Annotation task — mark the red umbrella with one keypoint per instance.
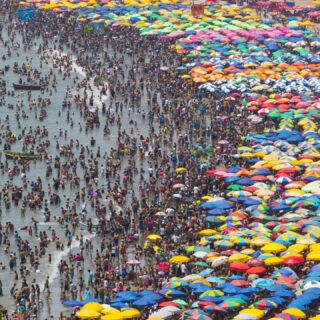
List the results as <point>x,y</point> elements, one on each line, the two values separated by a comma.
<point>163,266</point>
<point>203,304</point>
<point>251,189</point>
<point>286,280</point>
<point>259,178</point>
<point>256,270</point>
<point>293,261</point>
<point>256,263</point>
<point>168,304</point>
<point>238,266</point>
<point>240,283</point>
<point>228,252</point>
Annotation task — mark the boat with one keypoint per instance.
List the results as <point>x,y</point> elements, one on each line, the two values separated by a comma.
<point>20,155</point>
<point>27,86</point>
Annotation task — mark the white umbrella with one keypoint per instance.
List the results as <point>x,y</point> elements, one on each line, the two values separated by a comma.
<point>245,316</point>
<point>160,214</point>
<point>165,312</point>
<point>219,261</point>
<point>191,277</point>
<point>133,261</point>
<point>200,254</point>
<point>311,284</point>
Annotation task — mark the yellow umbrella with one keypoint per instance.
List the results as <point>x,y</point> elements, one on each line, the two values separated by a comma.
<point>181,169</point>
<point>253,312</point>
<point>298,247</point>
<point>317,317</point>
<point>130,313</point>
<point>315,247</point>
<point>112,316</point>
<point>95,306</point>
<point>273,261</point>
<point>295,312</point>
<point>273,247</point>
<point>239,257</point>
<point>207,232</point>
<point>153,237</point>
<point>179,259</point>
<point>206,197</point>
<point>258,241</point>
<point>247,251</point>
<point>305,240</point>
<point>110,311</point>
<point>313,256</point>
<point>88,314</point>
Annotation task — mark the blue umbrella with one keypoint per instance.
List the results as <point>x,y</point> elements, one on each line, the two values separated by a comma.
<point>278,300</point>
<point>298,305</point>
<point>230,289</point>
<point>214,279</point>
<point>205,272</point>
<point>316,268</point>
<point>150,294</point>
<point>72,303</point>
<point>118,305</point>
<point>262,283</point>
<point>231,179</point>
<point>217,212</point>
<point>277,287</point>
<point>199,287</point>
<point>245,182</point>
<point>283,293</point>
<point>173,293</point>
<point>250,290</point>
<point>144,302</point>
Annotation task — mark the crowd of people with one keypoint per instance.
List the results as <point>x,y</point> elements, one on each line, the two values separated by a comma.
<point>165,140</point>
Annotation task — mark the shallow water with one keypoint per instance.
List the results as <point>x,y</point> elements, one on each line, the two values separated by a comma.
<point>53,123</point>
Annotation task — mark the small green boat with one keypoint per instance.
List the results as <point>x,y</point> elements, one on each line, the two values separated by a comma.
<point>20,155</point>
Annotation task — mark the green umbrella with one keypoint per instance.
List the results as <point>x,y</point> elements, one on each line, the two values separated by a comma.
<point>235,187</point>
<point>274,114</point>
<point>180,302</point>
<point>213,220</point>
<point>201,264</point>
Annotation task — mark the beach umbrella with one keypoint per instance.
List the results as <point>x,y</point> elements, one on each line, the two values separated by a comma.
<point>130,313</point>
<point>144,302</point>
<point>285,316</point>
<point>292,261</point>
<point>265,304</point>
<point>154,237</point>
<point>253,312</point>
<point>112,317</point>
<point>313,256</point>
<point>179,259</point>
<point>95,306</point>
<point>72,303</point>
<point>231,303</point>
<point>88,314</point>
<point>273,261</point>
<point>211,294</point>
<point>165,312</point>
<point>174,293</point>
<point>109,311</point>
<point>238,266</point>
<point>245,317</point>
<point>256,270</point>
<point>207,232</point>
<point>273,247</point>
<point>295,312</point>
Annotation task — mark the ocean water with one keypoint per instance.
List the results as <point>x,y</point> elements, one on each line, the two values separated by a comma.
<point>38,169</point>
